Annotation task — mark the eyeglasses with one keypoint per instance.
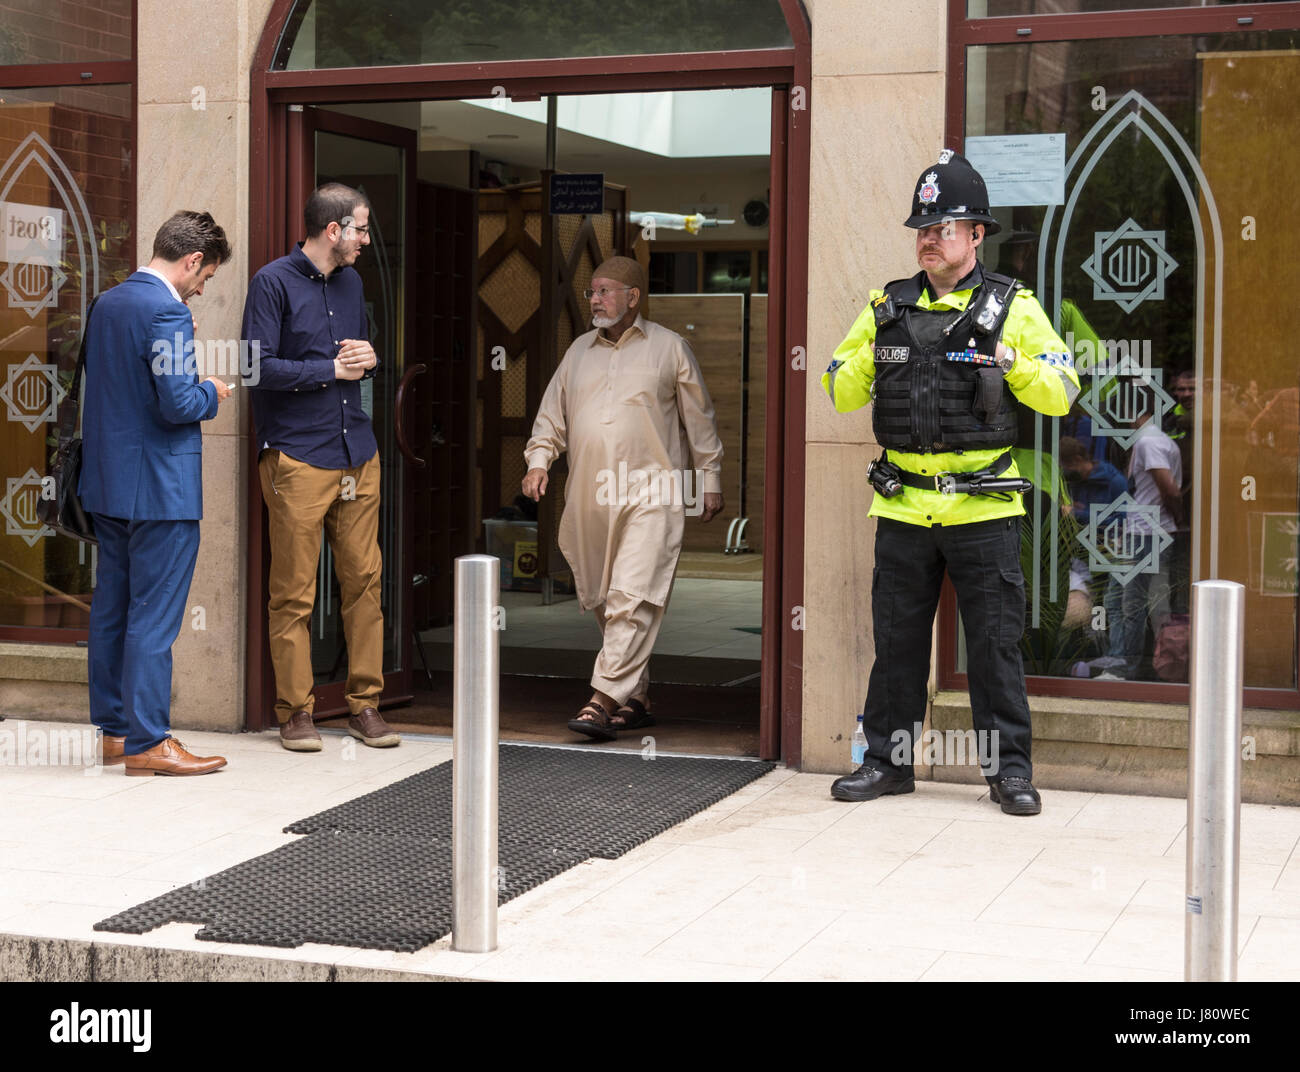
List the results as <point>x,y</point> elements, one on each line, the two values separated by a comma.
<point>602,293</point>
<point>361,230</point>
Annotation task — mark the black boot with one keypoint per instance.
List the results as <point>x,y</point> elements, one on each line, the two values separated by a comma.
<point>1016,795</point>
<point>868,782</point>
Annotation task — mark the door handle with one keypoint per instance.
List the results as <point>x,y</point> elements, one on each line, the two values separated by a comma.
<point>399,407</point>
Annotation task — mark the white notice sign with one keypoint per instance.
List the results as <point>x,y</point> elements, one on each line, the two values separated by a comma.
<point>1021,169</point>
<point>30,233</point>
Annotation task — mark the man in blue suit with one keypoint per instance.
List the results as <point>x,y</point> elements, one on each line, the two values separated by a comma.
<point>142,482</point>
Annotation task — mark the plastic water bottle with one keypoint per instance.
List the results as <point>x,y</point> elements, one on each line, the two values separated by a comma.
<point>859,744</point>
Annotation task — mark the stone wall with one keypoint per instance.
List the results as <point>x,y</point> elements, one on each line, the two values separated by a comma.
<point>877,120</point>
<point>193,136</point>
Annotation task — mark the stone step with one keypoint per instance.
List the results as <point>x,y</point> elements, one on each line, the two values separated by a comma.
<point>1119,747</point>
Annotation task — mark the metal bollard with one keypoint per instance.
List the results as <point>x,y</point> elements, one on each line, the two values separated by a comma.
<point>1214,782</point>
<point>474,755</point>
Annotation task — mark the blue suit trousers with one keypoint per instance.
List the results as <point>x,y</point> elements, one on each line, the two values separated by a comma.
<point>143,582</point>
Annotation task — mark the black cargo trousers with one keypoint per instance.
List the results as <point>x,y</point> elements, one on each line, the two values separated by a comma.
<point>983,560</point>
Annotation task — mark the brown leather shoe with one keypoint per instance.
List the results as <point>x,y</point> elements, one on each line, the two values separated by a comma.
<point>169,756</point>
<point>299,733</point>
<point>370,729</point>
<point>113,750</point>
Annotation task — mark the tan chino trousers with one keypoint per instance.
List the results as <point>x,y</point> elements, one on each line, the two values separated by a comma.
<point>301,500</point>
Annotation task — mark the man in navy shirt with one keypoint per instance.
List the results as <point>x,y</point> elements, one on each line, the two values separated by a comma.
<point>318,460</point>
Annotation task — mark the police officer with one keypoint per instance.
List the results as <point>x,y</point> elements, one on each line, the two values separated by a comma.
<point>946,358</point>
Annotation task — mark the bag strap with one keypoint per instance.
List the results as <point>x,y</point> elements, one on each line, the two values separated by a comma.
<point>70,412</point>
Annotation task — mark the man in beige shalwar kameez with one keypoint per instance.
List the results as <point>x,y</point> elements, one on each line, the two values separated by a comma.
<point>629,405</point>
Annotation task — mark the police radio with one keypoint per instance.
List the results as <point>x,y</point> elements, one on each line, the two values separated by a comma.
<point>885,476</point>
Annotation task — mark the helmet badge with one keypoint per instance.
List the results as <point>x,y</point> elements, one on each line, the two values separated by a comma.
<point>929,192</point>
<point>945,155</point>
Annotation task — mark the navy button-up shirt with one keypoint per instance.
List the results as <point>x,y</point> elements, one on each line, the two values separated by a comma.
<point>298,317</point>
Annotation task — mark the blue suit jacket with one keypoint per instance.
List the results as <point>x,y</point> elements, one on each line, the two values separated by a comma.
<point>142,454</point>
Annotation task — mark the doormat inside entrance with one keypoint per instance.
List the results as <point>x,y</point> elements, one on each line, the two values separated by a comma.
<point>375,872</point>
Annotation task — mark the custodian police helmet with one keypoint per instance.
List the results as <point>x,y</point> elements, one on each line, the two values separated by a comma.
<point>951,189</point>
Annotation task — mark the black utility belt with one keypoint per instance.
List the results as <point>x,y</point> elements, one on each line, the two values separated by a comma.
<point>889,480</point>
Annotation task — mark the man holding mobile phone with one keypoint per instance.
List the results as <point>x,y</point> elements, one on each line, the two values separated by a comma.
<point>142,482</point>
<point>319,461</point>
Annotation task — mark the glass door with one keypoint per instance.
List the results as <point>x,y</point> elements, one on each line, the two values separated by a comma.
<point>378,160</point>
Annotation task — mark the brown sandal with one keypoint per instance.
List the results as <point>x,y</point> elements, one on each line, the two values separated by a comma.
<point>632,716</point>
<point>600,726</point>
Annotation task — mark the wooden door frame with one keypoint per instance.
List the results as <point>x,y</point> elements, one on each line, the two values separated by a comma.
<point>300,180</point>
<point>788,72</point>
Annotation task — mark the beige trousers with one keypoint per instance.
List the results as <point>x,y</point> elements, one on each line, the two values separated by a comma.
<point>629,627</point>
<point>301,500</point>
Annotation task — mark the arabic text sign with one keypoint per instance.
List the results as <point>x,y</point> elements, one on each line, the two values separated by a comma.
<point>578,195</point>
<point>1020,169</point>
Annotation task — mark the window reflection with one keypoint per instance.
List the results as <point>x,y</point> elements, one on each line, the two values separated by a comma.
<point>341,33</point>
<point>32,31</point>
<point>66,196</point>
<point>978,9</point>
<point>1179,459</point>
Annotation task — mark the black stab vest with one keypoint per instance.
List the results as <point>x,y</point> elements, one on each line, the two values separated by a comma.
<point>925,403</point>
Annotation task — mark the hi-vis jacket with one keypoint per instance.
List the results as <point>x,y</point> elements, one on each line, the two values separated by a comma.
<point>1042,378</point>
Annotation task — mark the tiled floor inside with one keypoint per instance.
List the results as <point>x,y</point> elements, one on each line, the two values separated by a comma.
<point>775,882</point>
<point>705,618</point>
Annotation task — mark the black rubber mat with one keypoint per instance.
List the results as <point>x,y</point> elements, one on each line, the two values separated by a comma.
<point>590,803</point>
<point>375,872</point>
<point>377,892</point>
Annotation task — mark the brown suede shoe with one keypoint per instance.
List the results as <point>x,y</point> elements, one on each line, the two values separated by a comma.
<point>113,750</point>
<point>170,757</point>
<point>299,733</point>
<point>370,729</point>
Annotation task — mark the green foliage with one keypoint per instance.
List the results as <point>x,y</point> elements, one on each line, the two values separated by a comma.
<point>1051,648</point>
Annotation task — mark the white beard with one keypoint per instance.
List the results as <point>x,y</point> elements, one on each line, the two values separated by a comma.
<point>604,321</point>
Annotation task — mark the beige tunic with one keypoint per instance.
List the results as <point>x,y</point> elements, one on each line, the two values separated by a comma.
<point>632,416</point>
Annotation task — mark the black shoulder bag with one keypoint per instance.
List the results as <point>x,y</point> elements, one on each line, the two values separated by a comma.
<point>63,512</point>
